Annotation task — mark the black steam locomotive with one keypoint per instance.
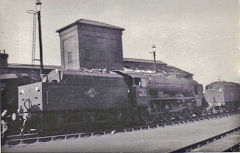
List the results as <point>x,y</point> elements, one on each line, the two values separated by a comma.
<point>84,100</point>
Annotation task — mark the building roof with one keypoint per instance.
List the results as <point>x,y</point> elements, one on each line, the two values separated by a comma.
<point>8,76</point>
<point>29,66</point>
<point>90,22</point>
<point>142,61</point>
<point>168,67</point>
<point>223,83</point>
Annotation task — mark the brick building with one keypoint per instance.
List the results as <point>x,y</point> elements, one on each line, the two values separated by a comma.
<point>91,44</point>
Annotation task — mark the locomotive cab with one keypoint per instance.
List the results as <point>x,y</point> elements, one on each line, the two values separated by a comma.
<point>140,86</point>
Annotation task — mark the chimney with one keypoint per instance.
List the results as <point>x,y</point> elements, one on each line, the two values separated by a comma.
<point>3,59</point>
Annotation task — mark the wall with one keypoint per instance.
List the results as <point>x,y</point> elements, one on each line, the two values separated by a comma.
<point>69,48</point>
<point>100,47</point>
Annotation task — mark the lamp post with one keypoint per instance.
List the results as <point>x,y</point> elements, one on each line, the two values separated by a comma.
<point>38,10</point>
<point>154,58</point>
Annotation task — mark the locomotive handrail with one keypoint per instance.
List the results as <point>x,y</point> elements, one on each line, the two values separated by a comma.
<point>170,98</point>
<point>123,74</point>
<point>25,104</point>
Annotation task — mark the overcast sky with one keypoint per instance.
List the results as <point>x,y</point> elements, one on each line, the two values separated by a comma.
<point>198,36</point>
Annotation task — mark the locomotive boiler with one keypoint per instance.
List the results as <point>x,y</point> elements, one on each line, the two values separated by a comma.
<point>83,100</point>
<point>166,96</point>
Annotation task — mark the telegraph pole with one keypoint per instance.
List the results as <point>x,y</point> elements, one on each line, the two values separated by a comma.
<point>38,9</point>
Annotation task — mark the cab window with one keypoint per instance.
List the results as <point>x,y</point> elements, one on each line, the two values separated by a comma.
<point>137,81</point>
<point>196,90</point>
<point>144,82</point>
<point>140,82</point>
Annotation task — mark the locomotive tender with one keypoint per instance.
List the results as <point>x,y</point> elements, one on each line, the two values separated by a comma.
<point>72,98</point>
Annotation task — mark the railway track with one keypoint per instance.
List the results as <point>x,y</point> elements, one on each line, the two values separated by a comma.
<point>33,138</point>
<point>211,140</point>
<point>235,148</point>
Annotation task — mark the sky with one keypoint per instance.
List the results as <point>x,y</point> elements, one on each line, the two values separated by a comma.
<point>198,36</point>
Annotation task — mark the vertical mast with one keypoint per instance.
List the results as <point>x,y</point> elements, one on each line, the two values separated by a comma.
<point>154,58</point>
<point>38,8</point>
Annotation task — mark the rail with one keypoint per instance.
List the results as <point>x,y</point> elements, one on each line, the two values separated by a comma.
<point>205,142</point>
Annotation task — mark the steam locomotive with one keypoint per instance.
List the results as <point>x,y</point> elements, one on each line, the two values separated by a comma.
<point>76,99</point>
